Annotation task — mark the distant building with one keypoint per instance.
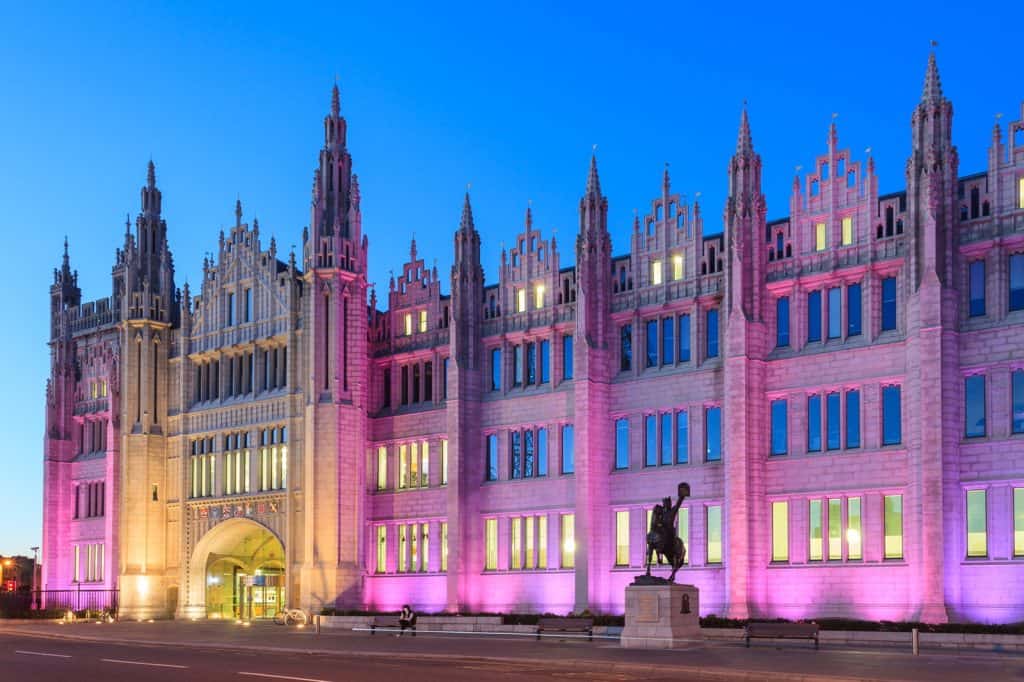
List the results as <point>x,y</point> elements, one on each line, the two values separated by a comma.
<point>842,388</point>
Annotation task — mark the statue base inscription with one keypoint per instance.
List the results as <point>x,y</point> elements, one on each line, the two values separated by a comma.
<point>661,616</point>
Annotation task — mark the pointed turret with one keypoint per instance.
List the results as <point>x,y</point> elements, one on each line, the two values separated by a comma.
<point>64,292</point>
<point>466,223</point>
<point>744,143</point>
<point>151,175</point>
<point>932,83</point>
<point>238,212</point>
<point>744,220</point>
<point>335,100</point>
<point>593,181</point>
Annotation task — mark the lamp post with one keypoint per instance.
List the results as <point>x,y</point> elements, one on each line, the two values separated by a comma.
<point>35,568</point>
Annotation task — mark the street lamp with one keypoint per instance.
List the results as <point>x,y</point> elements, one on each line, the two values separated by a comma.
<point>35,567</point>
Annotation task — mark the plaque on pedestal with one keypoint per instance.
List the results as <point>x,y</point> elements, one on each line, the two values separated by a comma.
<point>661,616</point>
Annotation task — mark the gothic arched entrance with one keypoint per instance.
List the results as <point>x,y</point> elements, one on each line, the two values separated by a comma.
<point>239,569</point>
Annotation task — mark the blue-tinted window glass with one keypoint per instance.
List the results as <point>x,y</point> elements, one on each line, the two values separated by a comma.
<point>666,436</point>
<point>626,348</point>
<point>853,310</point>
<point>545,361</point>
<point>515,446</point>
<point>621,443</point>
<point>529,453</point>
<point>1018,402</point>
<point>667,340</point>
<point>531,363</point>
<point>568,454</point>
<point>542,452</point>
<point>814,423</point>
<point>492,457</point>
<point>974,406</point>
<point>853,419</point>
<point>684,338</point>
<point>814,316</point>
<point>835,313</point>
<point>977,287</point>
<point>517,365</point>
<point>713,333</point>
<point>888,303</point>
<point>892,430</point>
<point>779,439</point>
<point>682,438</point>
<point>652,343</point>
<point>650,440</point>
<point>782,322</point>
<point>496,369</point>
<point>832,421</point>
<point>1017,281</point>
<point>713,434</point>
<point>567,356</point>
<point>444,383</point>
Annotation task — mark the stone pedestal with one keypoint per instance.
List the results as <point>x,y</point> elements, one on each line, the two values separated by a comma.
<point>665,616</point>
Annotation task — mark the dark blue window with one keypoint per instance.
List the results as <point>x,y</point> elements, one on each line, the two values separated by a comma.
<point>1017,281</point>
<point>853,310</point>
<point>542,452</point>
<point>667,340</point>
<point>713,434</point>
<point>814,316</point>
<point>888,303</point>
<point>853,419</point>
<point>516,448</point>
<point>782,322</point>
<point>666,436</point>
<point>1018,402</point>
<point>650,440</point>
<point>545,361</point>
<point>977,287</point>
<point>779,427</point>
<point>496,369</point>
<point>444,381</point>
<point>684,338</point>
<point>626,348</point>
<point>492,457</point>
<point>652,343</point>
<point>974,406</point>
<point>529,453</point>
<point>835,313</point>
<point>567,356</point>
<point>682,438</point>
<point>713,333</point>
<point>832,421</point>
<point>568,456</point>
<point>517,365</point>
<point>892,430</point>
<point>814,423</point>
<point>531,363</point>
<point>621,443</point>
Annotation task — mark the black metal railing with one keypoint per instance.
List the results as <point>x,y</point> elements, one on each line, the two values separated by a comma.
<point>76,600</point>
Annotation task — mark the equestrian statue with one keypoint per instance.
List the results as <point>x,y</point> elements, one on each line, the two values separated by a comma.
<point>662,538</point>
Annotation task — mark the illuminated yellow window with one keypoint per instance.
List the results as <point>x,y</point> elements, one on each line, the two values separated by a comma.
<point>382,549</point>
<point>516,555</point>
<point>408,324</point>
<point>656,272</point>
<point>819,237</point>
<point>425,547</point>
<point>521,300</point>
<point>683,526</point>
<point>1020,192</point>
<point>414,465</point>
<point>542,541</point>
<point>568,540</point>
<point>677,267</point>
<point>853,528</point>
<point>403,548</point>
<point>491,543</point>
<point>403,466</point>
<point>835,529</point>
<point>714,534</point>
<point>444,461</point>
<point>531,549</point>
<point>977,530</point>
<point>780,531</point>
<point>847,230</point>
<point>538,296</point>
<point>1018,522</point>
<point>414,552</point>
<point>622,538</point>
<point>444,546</point>
<point>382,468</point>
<point>425,465</point>
<point>423,321</point>
<point>94,390</point>
<point>893,526</point>
<point>815,531</point>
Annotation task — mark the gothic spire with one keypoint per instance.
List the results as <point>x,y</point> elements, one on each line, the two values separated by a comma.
<point>932,84</point>
<point>744,144</point>
<point>466,224</point>
<point>238,212</point>
<point>335,100</point>
<point>151,175</point>
<point>593,181</point>
<point>529,218</point>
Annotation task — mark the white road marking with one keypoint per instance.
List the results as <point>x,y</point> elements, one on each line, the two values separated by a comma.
<point>283,677</point>
<point>155,665</point>
<point>40,653</point>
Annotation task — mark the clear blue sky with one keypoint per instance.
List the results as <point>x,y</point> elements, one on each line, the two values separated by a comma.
<point>510,97</point>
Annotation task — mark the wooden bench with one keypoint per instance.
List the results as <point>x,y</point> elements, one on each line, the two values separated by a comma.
<point>566,625</point>
<point>390,622</point>
<point>782,631</point>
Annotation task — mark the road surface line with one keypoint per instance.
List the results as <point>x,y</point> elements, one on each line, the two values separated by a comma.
<point>40,653</point>
<point>283,677</point>
<point>155,665</point>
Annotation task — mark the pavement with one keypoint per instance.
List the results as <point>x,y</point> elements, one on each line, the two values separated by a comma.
<point>204,650</point>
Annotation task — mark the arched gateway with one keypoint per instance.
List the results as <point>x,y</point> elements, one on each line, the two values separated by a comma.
<point>237,570</point>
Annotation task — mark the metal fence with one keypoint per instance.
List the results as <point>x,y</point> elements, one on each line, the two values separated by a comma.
<point>76,600</point>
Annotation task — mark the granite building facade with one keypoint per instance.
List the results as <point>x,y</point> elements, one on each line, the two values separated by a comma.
<point>842,388</point>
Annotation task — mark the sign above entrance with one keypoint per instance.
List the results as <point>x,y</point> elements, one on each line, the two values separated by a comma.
<point>236,510</point>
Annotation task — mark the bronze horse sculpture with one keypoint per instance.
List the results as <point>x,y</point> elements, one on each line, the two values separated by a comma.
<point>662,538</point>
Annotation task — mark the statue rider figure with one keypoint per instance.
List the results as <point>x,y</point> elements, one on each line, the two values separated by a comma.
<point>662,537</point>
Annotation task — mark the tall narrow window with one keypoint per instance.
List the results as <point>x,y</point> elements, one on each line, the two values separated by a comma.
<point>835,529</point>
<point>677,267</point>
<point>1020,192</point>
<point>779,439</point>
<point>247,311</point>
<point>382,468</point>
<point>847,230</point>
<point>408,324</point>
<point>515,452</point>
<point>545,361</point>
<point>531,364</point>
<point>622,443</point>
<point>892,431</point>
<point>780,531</point>
<point>853,310</point>
<point>814,423</point>
<point>542,452</point>
<point>622,538</point>
<point>684,338</point>
<point>516,550</point>
<point>683,529</point>
<point>832,420</point>
<point>813,316</point>
<point>1017,381</point>
<point>423,321</point>
<point>712,329</point>
<point>656,274</point>
<point>444,379</point>
<point>1017,281</point>
<point>652,343</point>
<point>713,434</point>
<point>893,526</point>
<point>538,296</point>
<point>626,347</point>
<point>491,544</point>
<point>853,529</point>
<point>782,322</point>
<point>568,541</point>
<point>888,303</point>
<point>529,454</point>
<point>977,530</point>
<point>835,313</point>
<point>974,406</point>
<point>714,534</point>
<point>382,549</point>
<point>231,309</point>
<point>668,344</point>
<point>568,456</point>
<point>977,288</point>
<point>444,461</point>
<point>682,438</point>
<point>814,526</point>
<point>650,440</point>
<point>492,457</point>
<point>567,357</point>
<point>819,237</point>
<point>853,419</point>
<point>403,548</point>
<point>666,438</point>
<point>517,365</point>
<point>1018,522</point>
<point>521,300</point>
<point>542,541</point>
<point>495,369</point>
<point>444,546</point>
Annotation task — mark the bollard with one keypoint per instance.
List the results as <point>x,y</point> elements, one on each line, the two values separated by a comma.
<point>317,616</point>
<point>916,639</point>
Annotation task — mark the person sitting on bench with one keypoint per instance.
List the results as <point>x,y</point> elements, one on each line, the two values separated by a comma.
<point>407,619</point>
